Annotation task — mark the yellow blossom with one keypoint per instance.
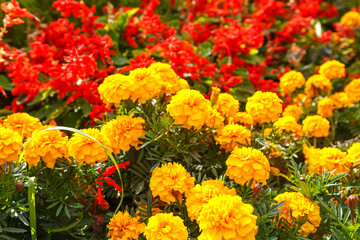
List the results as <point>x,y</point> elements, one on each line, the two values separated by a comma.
<point>229,136</point>
<point>274,171</point>
<point>354,154</point>
<point>22,123</point>
<point>351,19</point>
<point>145,85</point>
<point>215,120</point>
<point>316,126</point>
<point>353,90</point>
<point>288,124</point>
<point>317,85</point>
<point>303,99</point>
<point>325,108</point>
<point>166,226</point>
<point>10,145</point>
<point>115,88</point>
<point>167,77</point>
<point>340,100</point>
<point>333,69</point>
<point>124,227</point>
<point>293,110</point>
<point>227,105</point>
<point>290,81</point>
<point>242,118</point>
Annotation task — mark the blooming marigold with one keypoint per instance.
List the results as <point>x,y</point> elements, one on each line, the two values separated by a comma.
<point>167,77</point>
<point>293,110</point>
<point>190,108</point>
<point>354,154</point>
<point>242,118</point>
<point>353,90</point>
<point>145,85</point>
<point>329,159</point>
<point>341,100</point>
<point>297,207</point>
<point>166,226</point>
<point>246,164</point>
<point>46,145</point>
<point>229,136</point>
<point>264,107</point>
<point>170,181</point>
<point>201,194</point>
<point>288,124</point>
<point>325,108</point>
<point>227,217</point>
<point>292,80</point>
<point>316,126</point>
<point>215,120</point>
<point>317,84</point>
<point>124,227</point>
<point>115,88</point>
<point>10,145</point>
<point>333,69</point>
<point>124,132</point>
<point>303,99</point>
<point>85,149</point>
<point>351,19</point>
<point>227,105</point>
<point>22,123</point>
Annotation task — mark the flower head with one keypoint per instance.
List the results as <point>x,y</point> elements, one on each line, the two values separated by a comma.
<point>22,123</point>
<point>351,19</point>
<point>292,80</point>
<point>227,105</point>
<point>316,126</point>
<point>325,108</point>
<point>215,120</point>
<point>167,77</point>
<point>354,154</point>
<point>10,145</point>
<point>165,226</point>
<point>246,164</point>
<point>115,88</point>
<point>293,110</point>
<point>124,227</point>
<point>353,90</point>
<point>341,100</point>
<point>145,86</point>
<point>229,136</point>
<point>242,118</point>
<point>288,124</point>
<point>317,84</point>
<point>333,69</point>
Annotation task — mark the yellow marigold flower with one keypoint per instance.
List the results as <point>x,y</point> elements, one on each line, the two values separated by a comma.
<point>229,136</point>
<point>183,84</point>
<point>22,123</point>
<point>351,19</point>
<point>288,124</point>
<point>84,149</point>
<point>115,88</point>
<point>215,120</point>
<point>341,100</point>
<point>316,126</point>
<point>328,159</point>
<point>308,152</point>
<point>227,105</point>
<point>145,85</point>
<point>317,84</point>
<point>190,108</point>
<point>267,132</point>
<point>124,227</point>
<point>264,107</point>
<point>167,77</point>
<point>48,146</point>
<point>353,90</point>
<point>325,108</point>
<point>292,80</point>
<point>242,118</point>
<point>354,154</point>
<point>201,194</point>
<point>303,99</point>
<point>226,217</point>
<point>333,69</point>
<point>274,171</point>
<point>293,110</point>
<point>124,132</point>
<point>170,181</point>
<point>166,226</point>
<point>10,145</point>
<point>297,208</point>
<point>246,164</point>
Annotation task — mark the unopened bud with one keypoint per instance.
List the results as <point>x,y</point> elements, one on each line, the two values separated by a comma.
<point>352,202</point>
<point>19,186</point>
<point>214,95</point>
<point>256,189</point>
<point>302,179</point>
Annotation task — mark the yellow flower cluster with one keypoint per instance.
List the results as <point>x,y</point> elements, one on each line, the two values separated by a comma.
<point>201,194</point>
<point>226,217</point>
<point>325,108</point>
<point>145,85</point>
<point>124,227</point>
<point>290,81</point>
<point>215,120</point>
<point>317,84</point>
<point>353,90</point>
<point>297,208</point>
<point>84,149</point>
<point>264,107</point>
<point>293,110</point>
<point>48,146</point>
<point>166,226</point>
<point>22,123</point>
<point>114,89</point>
<point>10,145</point>
<point>227,105</point>
<point>167,78</point>
<point>124,132</point>
<point>170,182</point>
<point>316,126</point>
<point>288,124</point>
<point>351,19</point>
<point>333,69</point>
<point>246,164</point>
<point>242,118</point>
<point>229,136</point>
<point>340,100</point>
<point>354,154</point>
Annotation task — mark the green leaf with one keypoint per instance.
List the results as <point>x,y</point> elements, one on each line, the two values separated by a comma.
<point>120,61</point>
<point>59,209</point>
<point>5,83</point>
<point>67,211</point>
<point>14,230</point>
<point>121,22</point>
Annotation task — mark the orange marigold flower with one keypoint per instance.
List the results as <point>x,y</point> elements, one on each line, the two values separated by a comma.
<point>298,208</point>
<point>316,126</point>
<point>288,124</point>
<point>246,164</point>
<point>267,132</point>
<point>317,84</point>
<point>227,217</point>
<point>227,105</point>
<point>85,149</point>
<point>351,19</point>
<point>124,132</point>
<point>167,77</point>
<point>215,120</point>
<point>354,154</point>
<point>48,145</point>
<point>124,227</point>
<point>190,108</point>
<point>264,107</point>
<point>10,145</point>
<point>22,123</point>
<point>115,88</point>
<point>333,69</point>
<point>341,100</point>
<point>353,90</point>
<point>275,171</point>
<point>201,194</point>
<point>308,152</point>
<point>325,108</point>
<point>242,118</point>
<point>290,81</point>
<point>166,226</point>
<point>170,181</point>
<point>303,99</point>
<point>145,85</point>
<point>183,84</point>
<point>293,110</point>
<point>229,136</point>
